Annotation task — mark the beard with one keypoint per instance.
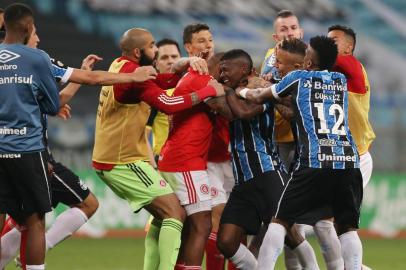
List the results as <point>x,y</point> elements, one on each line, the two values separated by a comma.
<point>145,60</point>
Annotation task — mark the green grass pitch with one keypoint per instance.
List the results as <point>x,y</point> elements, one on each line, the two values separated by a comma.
<point>127,254</point>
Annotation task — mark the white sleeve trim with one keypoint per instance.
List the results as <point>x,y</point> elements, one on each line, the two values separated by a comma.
<point>273,89</point>
<point>67,75</point>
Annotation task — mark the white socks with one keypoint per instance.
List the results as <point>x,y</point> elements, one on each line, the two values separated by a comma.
<point>10,243</point>
<point>243,259</point>
<point>35,267</point>
<point>271,246</point>
<point>291,259</point>
<point>64,226</point>
<point>306,256</point>
<point>329,243</point>
<point>351,248</point>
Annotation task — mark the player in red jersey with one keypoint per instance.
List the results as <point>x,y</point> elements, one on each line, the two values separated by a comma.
<point>183,163</point>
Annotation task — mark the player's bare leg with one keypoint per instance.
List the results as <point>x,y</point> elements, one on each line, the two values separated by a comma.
<point>35,253</point>
<point>199,227</point>
<point>229,243</point>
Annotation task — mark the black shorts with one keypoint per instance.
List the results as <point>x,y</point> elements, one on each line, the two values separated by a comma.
<point>315,194</point>
<point>254,202</point>
<point>24,185</point>
<point>66,187</point>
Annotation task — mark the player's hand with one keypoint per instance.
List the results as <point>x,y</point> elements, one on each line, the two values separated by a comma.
<point>89,61</point>
<point>64,112</point>
<point>198,64</point>
<point>144,73</point>
<point>267,77</point>
<point>257,82</point>
<point>218,86</point>
<point>50,168</point>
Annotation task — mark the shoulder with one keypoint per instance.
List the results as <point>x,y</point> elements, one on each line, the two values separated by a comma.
<point>269,52</point>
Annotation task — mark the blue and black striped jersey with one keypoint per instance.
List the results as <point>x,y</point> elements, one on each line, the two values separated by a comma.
<point>320,104</point>
<point>252,148</point>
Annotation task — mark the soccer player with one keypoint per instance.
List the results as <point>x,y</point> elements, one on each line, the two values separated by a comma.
<point>183,163</point>
<point>259,182</point>
<point>2,32</point>
<point>120,145</point>
<point>286,26</point>
<point>28,89</point>
<point>327,176</point>
<point>158,122</point>
<point>358,95</point>
<point>66,187</point>
<point>198,40</point>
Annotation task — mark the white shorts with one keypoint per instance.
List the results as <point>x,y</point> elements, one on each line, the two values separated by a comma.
<point>366,166</point>
<point>192,189</point>
<point>222,181</point>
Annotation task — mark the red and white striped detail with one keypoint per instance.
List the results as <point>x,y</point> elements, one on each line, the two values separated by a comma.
<point>190,187</point>
<point>190,267</point>
<point>213,236</point>
<point>170,100</point>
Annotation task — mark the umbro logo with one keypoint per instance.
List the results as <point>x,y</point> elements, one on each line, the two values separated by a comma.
<point>7,56</point>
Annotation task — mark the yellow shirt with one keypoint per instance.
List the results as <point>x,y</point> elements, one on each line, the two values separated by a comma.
<point>120,128</point>
<point>160,128</point>
<point>358,120</point>
<point>283,130</point>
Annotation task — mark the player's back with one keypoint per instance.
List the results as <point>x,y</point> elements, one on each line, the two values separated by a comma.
<point>27,89</point>
<point>186,148</point>
<point>321,115</point>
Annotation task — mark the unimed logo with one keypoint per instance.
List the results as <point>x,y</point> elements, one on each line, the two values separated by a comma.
<point>7,56</point>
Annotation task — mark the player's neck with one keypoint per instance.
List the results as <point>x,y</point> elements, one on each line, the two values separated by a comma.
<point>14,39</point>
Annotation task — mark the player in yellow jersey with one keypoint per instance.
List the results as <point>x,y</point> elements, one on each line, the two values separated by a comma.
<point>286,25</point>
<point>168,53</point>
<point>358,97</point>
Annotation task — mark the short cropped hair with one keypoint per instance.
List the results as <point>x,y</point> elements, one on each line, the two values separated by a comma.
<point>168,41</point>
<point>295,46</point>
<point>348,31</point>
<point>326,50</point>
<point>190,29</point>
<point>15,13</point>
<point>285,13</point>
<point>238,53</point>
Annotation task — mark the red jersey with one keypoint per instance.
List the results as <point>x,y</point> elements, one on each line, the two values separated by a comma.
<point>218,151</point>
<point>352,69</point>
<point>150,92</point>
<point>187,146</point>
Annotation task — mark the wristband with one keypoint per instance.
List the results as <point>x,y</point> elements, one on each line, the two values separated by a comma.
<point>208,91</point>
<point>243,93</point>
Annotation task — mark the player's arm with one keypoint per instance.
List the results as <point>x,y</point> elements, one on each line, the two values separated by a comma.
<point>156,97</point>
<point>99,77</point>
<point>220,105</point>
<point>196,63</point>
<point>274,92</point>
<point>48,97</point>
<point>241,108</point>
<point>285,110</point>
<point>71,89</point>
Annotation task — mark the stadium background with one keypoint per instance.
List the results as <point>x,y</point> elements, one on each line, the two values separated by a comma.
<point>71,29</point>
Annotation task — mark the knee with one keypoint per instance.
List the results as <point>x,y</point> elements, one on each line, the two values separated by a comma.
<point>89,206</point>
<point>227,244</point>
<point>341,229</point>
<point>201,224</point>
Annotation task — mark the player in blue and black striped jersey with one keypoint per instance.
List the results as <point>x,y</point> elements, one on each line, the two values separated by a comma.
<point>256,166</point>
<point>327,182</point>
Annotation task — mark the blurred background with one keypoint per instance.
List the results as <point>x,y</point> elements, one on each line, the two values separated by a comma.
<point>71,29</point>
